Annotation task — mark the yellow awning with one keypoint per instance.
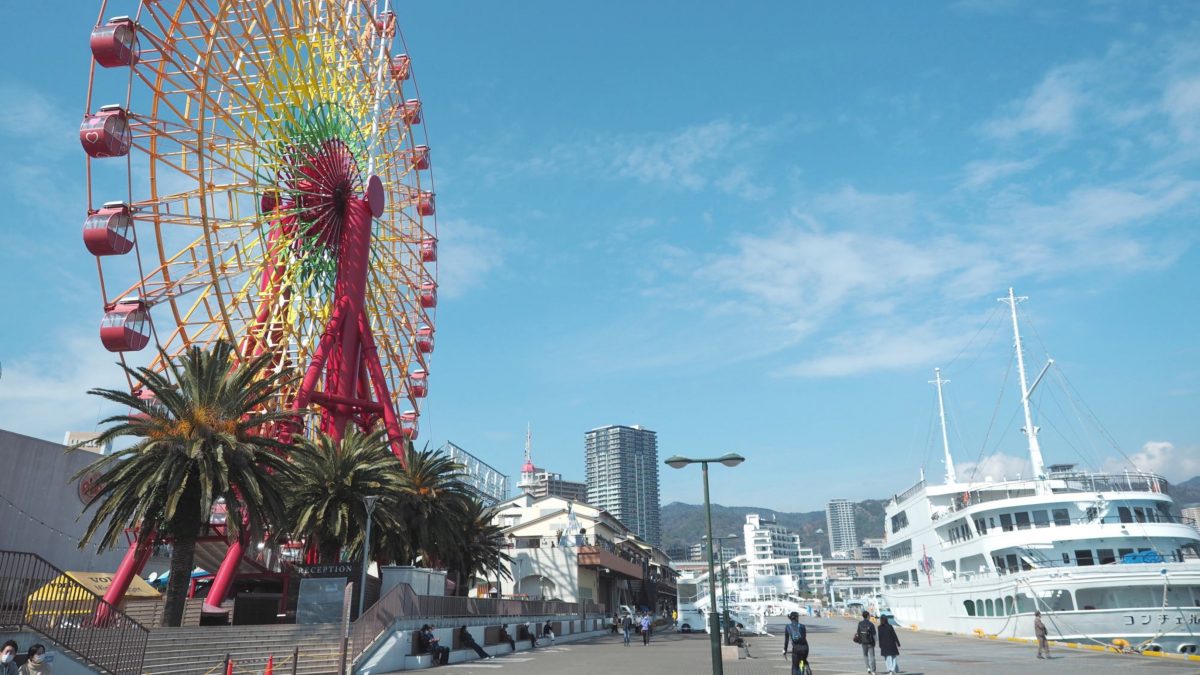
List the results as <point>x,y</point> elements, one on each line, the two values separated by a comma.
<point>97,582</point>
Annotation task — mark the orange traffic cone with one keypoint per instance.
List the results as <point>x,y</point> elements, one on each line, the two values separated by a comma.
<point>270,665</point>
<point>229,667</point>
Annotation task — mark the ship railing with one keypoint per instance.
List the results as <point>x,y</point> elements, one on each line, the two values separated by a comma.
<point>909,492</point>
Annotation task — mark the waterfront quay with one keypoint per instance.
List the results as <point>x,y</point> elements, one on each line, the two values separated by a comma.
<point>832,653</point>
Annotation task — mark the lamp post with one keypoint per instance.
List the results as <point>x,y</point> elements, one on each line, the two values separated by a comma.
<point>368,501</point>
<point>724,589</point>
<point>714,630</point>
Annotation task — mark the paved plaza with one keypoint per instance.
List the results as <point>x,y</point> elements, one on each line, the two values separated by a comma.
<point>832,653</point>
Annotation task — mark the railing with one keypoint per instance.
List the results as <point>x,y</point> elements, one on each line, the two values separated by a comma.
<point>402,602</point>
<point>37,595</point>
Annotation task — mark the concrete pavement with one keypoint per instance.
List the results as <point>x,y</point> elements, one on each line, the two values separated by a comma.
<point>832,652</point>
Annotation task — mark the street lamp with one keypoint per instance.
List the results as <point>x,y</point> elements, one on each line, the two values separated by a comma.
<point>714,630</point>
<point>369,501</point>
<point>724,589</point>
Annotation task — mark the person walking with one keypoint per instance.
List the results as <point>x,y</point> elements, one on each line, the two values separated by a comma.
<point>865,636</point>
<point>645,628</point>
<point>674,618</point>
<point>889,645</point>
<point>469,640</point>
<point>796,634</point>
<point>1039,630</point>
<point>627,626</point>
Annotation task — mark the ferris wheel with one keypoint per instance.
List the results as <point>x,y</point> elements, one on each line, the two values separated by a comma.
<point>258,172</point>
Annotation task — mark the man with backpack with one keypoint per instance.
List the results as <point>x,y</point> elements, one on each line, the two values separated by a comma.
<point>865,636</point>
<point>796,634</point>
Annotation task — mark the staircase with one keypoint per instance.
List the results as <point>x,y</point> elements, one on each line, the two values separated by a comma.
<point>201,649</point>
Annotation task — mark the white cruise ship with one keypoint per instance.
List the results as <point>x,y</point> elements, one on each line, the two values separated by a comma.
<point>1105,557</point>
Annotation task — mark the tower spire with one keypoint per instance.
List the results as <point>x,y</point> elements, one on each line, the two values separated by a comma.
<point>951,476</point>
<point>528,470</point>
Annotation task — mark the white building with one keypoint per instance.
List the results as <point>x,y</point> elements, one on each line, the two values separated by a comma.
<point>570,551</point>
<point>839,518</point>
<point>776,559</point>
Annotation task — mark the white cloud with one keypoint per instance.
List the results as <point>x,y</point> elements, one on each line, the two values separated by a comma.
<point>1050,109</point>
<point>1181,102</point>
<point>467,255</point>
<point>1163,458</point>
<point>997,466</point>
<point>983,173</point>
<point>857,353</point>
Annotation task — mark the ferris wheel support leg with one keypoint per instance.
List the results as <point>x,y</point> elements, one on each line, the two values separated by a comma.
<point>351,285</point>
<point>225,573</point>
<point>317,365</point>
<point>131,565</point>
<point>390,422</point>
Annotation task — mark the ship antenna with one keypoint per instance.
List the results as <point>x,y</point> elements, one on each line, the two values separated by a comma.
<point>951,476</point>
<point>1031,431</point>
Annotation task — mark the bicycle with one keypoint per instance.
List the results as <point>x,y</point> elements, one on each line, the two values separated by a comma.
<point>802,665</point>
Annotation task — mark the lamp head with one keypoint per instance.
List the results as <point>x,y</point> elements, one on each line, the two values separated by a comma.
<point>677,462</point>
<point>731,459</point>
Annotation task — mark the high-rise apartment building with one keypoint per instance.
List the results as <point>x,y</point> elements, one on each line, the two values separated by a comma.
<point>839,517</point>
<point>1192,514</point>
<point>622,476</point>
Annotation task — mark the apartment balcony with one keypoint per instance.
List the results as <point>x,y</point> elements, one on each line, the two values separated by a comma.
<point>591,556</point>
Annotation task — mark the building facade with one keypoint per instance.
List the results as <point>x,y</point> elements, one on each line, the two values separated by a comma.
<point>622,477</point>
<point>1192,514</point>
<point>565,550</point>
<point>774,551</point>
<point>839,518</point>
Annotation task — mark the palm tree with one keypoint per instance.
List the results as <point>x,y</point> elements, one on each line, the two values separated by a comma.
<point>426,511</point>
<point>479,546</point>
<point>328,483</point>
<point>200,438</point>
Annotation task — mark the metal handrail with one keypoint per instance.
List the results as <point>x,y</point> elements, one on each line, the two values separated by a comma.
<point>66,614</point>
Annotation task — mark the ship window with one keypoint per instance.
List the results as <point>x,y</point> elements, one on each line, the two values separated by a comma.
<point>1083,558</point>
<point>1025,603</point>
<point>981,525</point>
<point>991,607</point>
<point>1010,607</point>
<point>1139,514</point>
<point>1057,600</point>
<point>1122,552</point>
<point>969,605</point>
<point>991,522</point>
<point>1106,557</point>
<point>1022,521</point>
<point>1041,519</point>
<point>1006,522</point>
<point>1012,562</point>
<point>1062,517</point>
<point>1123,512</point>
<point>999,606</point>
<point>1066,558</point>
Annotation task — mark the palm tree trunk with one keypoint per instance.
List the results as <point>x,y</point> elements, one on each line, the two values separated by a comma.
<point>183,559</point>
<point>329,550</point>
<point>185,527</point>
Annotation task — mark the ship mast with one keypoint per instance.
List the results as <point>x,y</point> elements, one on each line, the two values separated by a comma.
<point>1031,431</point>
<point>951,476</point>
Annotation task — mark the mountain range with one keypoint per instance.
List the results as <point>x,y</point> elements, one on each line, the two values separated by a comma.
<point>683,524</point>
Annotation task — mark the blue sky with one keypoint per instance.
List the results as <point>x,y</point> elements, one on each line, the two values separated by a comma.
<point>751,227</point>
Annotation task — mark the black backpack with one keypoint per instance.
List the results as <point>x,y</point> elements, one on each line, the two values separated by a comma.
<point>866,636</point>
